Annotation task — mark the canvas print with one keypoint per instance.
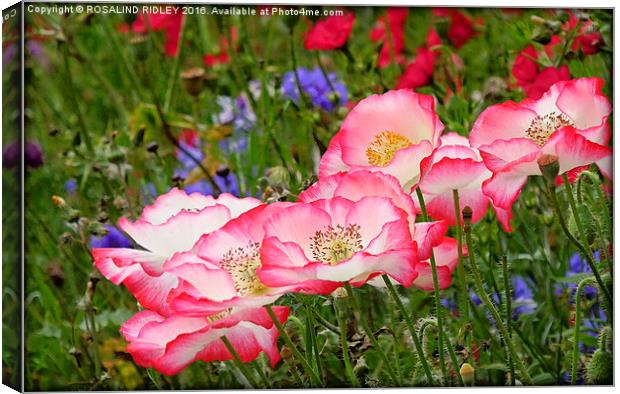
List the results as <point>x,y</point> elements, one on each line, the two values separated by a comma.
<point>306,196</point>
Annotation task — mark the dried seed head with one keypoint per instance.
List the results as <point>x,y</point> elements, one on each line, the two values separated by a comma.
<point>193,80</point>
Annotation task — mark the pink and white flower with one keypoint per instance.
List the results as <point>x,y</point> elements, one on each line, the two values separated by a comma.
<point>171,225</point>
<point>391,133</point>
<point>455,165</point>
<point>338,240</point>
<point>570,121</point>
<point>428,236</point>
<point>169,344</point>
<point>220,272</point>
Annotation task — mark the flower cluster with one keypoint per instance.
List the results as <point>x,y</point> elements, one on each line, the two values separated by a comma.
<point>324,90</point>
<point>207,266</point>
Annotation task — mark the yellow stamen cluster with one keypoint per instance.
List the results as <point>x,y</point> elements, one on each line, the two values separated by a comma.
<point>242,263</point>
<point>381,151</point>
<point>334,244</point>
<point>542,127</point>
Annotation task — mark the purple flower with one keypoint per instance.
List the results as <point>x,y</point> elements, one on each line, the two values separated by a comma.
<point>523,299</point>
<point>315,85</point>
<point>113,239</point>
<point>578,265</point>
<point>71,186</point>
<point>237,112</point>
<point>33,155</point>
<point>36,51</point>
<point>225,180</point>
<point>8,54</point>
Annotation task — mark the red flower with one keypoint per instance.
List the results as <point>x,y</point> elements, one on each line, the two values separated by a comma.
<point>396,18</point>
<point>461,29</point>
<point>589,42</point>
<point>420,72</point>
<point>330,33</point>
<point>221,57</point>
<point>531,78</point>
<point>544,80</point>
<point>169,24</point>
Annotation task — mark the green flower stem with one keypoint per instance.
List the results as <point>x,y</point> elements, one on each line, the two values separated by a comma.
<point>410,327</point>
<point>342,325</point>
<point>242,367</point>
<point>296,353</point>
<point>508,301</point>
<point>438,308</point>
<point>573,369</point>
<point>174,72</point>
<point>313,343</point>
<point>75,101</point>
<point>484,297</point>
<point>583,247</point>
<point>463,293</point>
<point>371,336</point>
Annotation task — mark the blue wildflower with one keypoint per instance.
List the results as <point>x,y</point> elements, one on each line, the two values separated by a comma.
<point>71,186</point>
<point>578,265</point>
<point>315,85</point>
<point>523,298</point>
<point>225,179</point>
<point>113,239</point>
<point>237,112</point>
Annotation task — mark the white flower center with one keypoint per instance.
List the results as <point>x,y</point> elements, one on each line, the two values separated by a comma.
<point>335,244</point>
<point>381,151</point>
<point>541,128</point>
<point>241,264</point>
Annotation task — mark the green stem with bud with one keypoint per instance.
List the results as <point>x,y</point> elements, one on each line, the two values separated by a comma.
<point>584,251</point>
<point>484,297</point>
<point>289,343</point>
<point>342,325</point>
<point>439,311</point>
<point>508,301</point>
<point>240,365</point>
<point>580,287</point>
<point>410,327</point>
<point>371,336</point>
<point>464,302</point>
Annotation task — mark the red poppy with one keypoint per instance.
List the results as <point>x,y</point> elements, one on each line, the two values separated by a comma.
<point>330,33</point>
<point>420,72</point>
<point>588,41</point>
<point>394,45</point>
<point>461,27</point>
<point>531,78</point>
<point>169,24</point>
<point>221,57</point>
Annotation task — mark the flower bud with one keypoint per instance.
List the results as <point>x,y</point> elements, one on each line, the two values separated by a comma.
<point>549,166</point>
<point>193,80</point>
<point>340,293</point>
<point>58,201</point>
<point>467,215</point>
<point>467,373</point>
<point>152,147</point>
<point>600,370</point>
<point>278,176</point>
